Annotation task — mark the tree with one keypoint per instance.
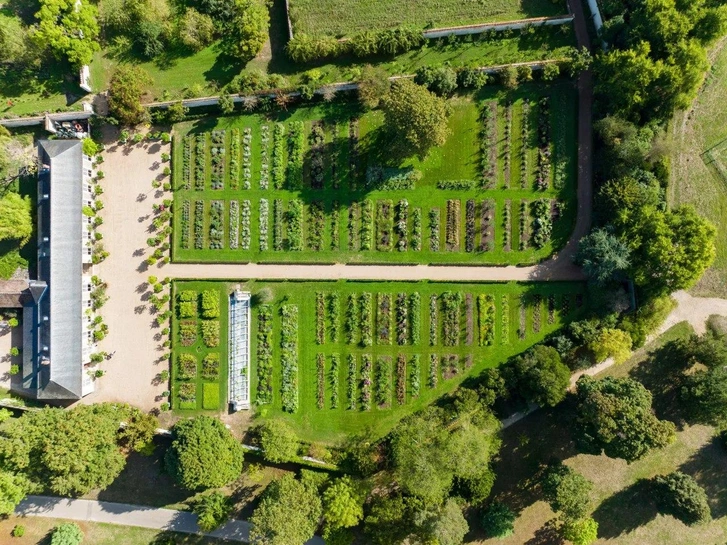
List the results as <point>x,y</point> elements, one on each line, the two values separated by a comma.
<point>212,510</point>
<point>388,521</point>
<point>342,506</point>
<point>704,396</point>
<point>418,117</point>
<point>680,495</point>
<point>441,80</point>
<point>16,222</point>
<point>288,513</point>
<point>445,525</point>
<point>567,491</point>
<point>138,432</point>
<point>539,375</point>
<point>11,493</point>
<point>125,91</point>
<point>67,534</point>
<point>68,29</point>
<point>508,77</point>
<point>246,31</point>
<point>580,531</point>
<point>603,256</point>
<point>671,249</point>
<point>176,112</point>
<point>204,454</point>
<point>66,452</point>
<point>373,86</point>
<point>614,416</point>
<point>614,343</point>
<point>196,30</point>
<point>499,521</point>
<point>227,106</point>
<point>278,441</point>
<point>551,72</point>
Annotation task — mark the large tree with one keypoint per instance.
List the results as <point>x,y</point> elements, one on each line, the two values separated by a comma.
<point>125,92</point>
<point>603,256</point>
<point>204,454</point>
<point>342,506</point>
<point>417,117</point>
<point>680,495</point>
<point>287,514</point>
<point>704,396</point>
<point>567,491</point>
<point>614,416</point>
<point>15,220</point>
<point>69,28</point>
<point>65,451</point>
<point>539,375</point>
<point>443,525</point>
<point>278,441</point>
<point>246,32</point>
<point>611,343</point>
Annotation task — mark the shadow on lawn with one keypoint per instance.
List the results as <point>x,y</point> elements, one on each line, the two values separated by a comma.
<point>626,510</point>
<point>709,467</point>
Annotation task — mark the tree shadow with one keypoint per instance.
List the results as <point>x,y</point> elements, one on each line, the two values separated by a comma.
<point>547,534</point>
<point>626,510</point>
<point>708,466</point>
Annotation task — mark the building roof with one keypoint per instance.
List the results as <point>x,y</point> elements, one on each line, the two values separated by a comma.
<point>60,265</point>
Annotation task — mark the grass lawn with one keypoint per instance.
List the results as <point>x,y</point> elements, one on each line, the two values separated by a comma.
<point>624,508</point>
<point>699,166</point>
<point>38,529</point>
<point>346,17</point>
<point>347,219</point>
<point>347,398</point>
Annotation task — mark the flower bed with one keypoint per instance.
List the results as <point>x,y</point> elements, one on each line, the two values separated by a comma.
<point>184,225</point>
<point>316,141</point>
<point>234,223</point>
<point>505,326</point>
<point>366,319</point>
<point>469,319</point>
<point>186,367</point>
<point>434,230</point>
<point>296,143</point>
<point>366,382</point>
<point>524,224</point>
<point>383,319</point>
<point>264,354</point>
<point>560,152</point>
<point>456,185</point>
<point>217,157</point>
<point>488,145</point>
<point>334,159</point>
<point>278,169</point>
<point>351,323</point>
<point>415,318</point>
<point>247,158</point>
<point>524,149</point>
<point>334,311</point>
<point>353,230</point>
<point>450,366</point>
<point>544,149</point>
<point>433,321</point>
<point>335,361</point>
<point>486,319</point>
<point>187,392</point>
<point>289,356</point>
<point>522,328</point>
<point>384,225</point>
<point>565,304</point>
<point>469,226</point>
<point>200,162</point>
<point>187,333</point>
<point>211,367</point>
<point>187,163</point>
<point>400,227</point>
<point>415,375</point>
<point>542,222</point>
<point>335,215</point>
<point>416,229</point>
<point>210,333</point>
<point>367,224</point>
<point>294,220</point>
<point>506,145</point>
<point>321,382</point>
<point>264,158</point>
<point>245,217</point>
<point>210,304</point>
<point>383,381</point>
<point>263,224</point>
<point>235,159</point>
<point>433,370</point>
<point>351,383</point>
<point>216,226</point>
<point>277,225</point>
<point>487,230</point>
<point>451,311</point>
<point>401,379</point>
<point>537,312</point>
<point>199,225</point>
<point>320,318</point>
<point>316,224</point>
<point>452,231</point>
<point>353,154</point>
<point>551,309</point>
<point>402,319</point>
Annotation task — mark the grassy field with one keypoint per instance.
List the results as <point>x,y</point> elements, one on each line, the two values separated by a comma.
<point>624,508</point>
<point>699,166</point>
<point>37,532</point>
<point>346,17</point>
<point>333,399</point>
<point>337,194</point>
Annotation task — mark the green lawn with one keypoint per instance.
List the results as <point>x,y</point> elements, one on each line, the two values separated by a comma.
<point>522,315</point>
<point>699,166</point>
<point>351,144</point>
<point>346,17</point>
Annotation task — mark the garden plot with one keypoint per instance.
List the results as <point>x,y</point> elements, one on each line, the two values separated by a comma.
<point>317,185</point>
<point>341,356</point>
<point>345,17</point>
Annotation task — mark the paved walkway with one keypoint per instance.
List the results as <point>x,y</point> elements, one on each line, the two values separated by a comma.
<point>131,515</point>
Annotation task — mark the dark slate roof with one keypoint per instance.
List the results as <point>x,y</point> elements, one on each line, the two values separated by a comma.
<point>11,293</point>
<point>60,219</point>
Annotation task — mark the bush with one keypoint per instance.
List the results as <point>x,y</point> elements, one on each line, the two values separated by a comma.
<point>498,521</point>
<point>210,304</point>
<point>14,369</point>
<point>212,510</point>
<point>18,531</point>
<point>680,495</point>
<point>441,80</point>
<point>196,30</point>
<point>186,296</point>
<point>187,310</point>
<point>125,91</point>
<point>67,534</point>
<point>278,441</point>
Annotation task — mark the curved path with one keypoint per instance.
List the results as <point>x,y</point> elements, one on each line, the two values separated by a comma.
<point>132,515</point>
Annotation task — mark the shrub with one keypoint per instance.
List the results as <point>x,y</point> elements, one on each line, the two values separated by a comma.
<point>210,304</point>
<point>498,521</point>
<point>67,534</point>
<point>18,531</point>
<point>14,369</point>
<point>187,310</point>
<point>278,441</point>
<point>185,296</point>
<point>680,495</point>
<point>211,510</point>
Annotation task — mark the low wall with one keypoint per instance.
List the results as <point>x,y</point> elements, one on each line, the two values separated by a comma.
<point>40,119</point>
<point>507,25</point>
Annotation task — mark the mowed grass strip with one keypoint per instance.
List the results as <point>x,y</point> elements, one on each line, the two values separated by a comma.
<point>345,17</point>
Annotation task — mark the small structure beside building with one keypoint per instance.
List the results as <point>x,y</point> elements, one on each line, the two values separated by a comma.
<point>239,351</point>
<point>57,333</point>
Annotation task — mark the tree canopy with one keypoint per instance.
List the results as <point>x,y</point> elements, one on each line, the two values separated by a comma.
<point>67,533</point>
<point>70,31</point>
<point>246,31</point>
<point>278,441</point>
<point>288,513</point>
<point>539,375</point>
<point>11,492</point>
<point>204,454</point>
<point>680,495</point>
<point>418,116</point>
<point>614,416</point>
<point>342,505</point>
<point>125,91</point>
<point>16,222</point>
<point>603,256</point>
<point>567,491</point>
<point>611,343</point>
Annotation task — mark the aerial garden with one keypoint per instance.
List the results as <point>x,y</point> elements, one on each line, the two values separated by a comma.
<point>335,357</point>
<point>316,184</point>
